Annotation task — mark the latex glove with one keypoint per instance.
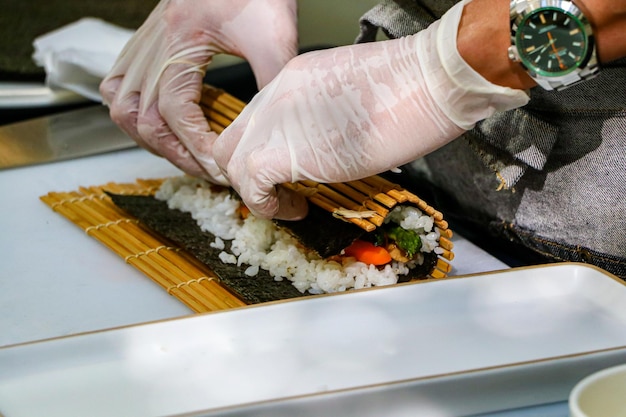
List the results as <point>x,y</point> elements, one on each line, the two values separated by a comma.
<point>347,113</point>
<point>154,88</point>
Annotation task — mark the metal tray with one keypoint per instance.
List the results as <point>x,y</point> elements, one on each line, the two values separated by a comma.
<point>459,346</point>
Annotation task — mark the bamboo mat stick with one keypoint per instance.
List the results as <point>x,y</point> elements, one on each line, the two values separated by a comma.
<point>443,265</point>
<point>216,118</point>
<point>446,254</point>
<point>216,127</point>
<point>445,232</point>
<point>445,243</point>
<point>374,193</point>
<point>219,107</point>
<point>221,96</point>
<point>359,196</point>
<point>437,273</point>
<point>387,187</point>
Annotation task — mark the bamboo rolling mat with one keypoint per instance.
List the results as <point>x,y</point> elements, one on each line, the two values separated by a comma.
<point>174,269</point>
<point>167,264</point>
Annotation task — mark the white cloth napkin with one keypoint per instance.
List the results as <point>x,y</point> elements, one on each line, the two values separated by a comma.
<point>78,56</point>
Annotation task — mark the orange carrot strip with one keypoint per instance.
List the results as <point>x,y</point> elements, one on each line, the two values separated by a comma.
<point>368,253</point>
<point>244,211</point>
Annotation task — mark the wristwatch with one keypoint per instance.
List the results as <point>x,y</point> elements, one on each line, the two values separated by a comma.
<point>553,41</point>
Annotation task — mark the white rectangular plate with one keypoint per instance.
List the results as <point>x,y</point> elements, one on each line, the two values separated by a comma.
<point>477,343</point>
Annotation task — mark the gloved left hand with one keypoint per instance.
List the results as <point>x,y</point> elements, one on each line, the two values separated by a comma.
<point>154,88</point>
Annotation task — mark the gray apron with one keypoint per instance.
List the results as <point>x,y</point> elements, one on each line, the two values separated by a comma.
<point>549,179</point>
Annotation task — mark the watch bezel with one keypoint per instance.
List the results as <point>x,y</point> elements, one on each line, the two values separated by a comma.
<point>524,57</point>
<point>521,10</point>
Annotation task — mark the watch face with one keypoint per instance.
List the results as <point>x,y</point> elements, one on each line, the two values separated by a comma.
<point>551,42</point>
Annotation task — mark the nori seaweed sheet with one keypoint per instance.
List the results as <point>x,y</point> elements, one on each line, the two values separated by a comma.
<point>182,229</point>
<point>319,231</point>
<point>322,232</point>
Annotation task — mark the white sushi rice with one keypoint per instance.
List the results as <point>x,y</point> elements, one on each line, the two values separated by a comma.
<point>260,244</point>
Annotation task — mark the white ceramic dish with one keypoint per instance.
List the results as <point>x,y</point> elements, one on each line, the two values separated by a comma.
<point>601,394</point>
<point>452,347</point>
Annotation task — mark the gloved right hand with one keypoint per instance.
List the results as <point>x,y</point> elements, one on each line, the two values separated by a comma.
<point>346,113</point>
<point>154,88</point>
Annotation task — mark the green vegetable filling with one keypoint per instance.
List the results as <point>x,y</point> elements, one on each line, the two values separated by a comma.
<point>407,240</point>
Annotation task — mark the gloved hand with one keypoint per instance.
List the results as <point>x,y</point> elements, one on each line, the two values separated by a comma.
<point>347,113</point>
<point>154,88</point>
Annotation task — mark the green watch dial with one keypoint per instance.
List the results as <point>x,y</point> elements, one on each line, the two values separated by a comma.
<point>551,42</point>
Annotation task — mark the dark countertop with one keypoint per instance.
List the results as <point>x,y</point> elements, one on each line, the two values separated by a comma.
<point>23,21</point>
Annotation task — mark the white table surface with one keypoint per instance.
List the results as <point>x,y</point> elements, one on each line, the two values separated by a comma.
<point>55,280</point>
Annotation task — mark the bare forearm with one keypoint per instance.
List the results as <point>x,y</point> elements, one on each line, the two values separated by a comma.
<point>608,19</point>
<point>484,36</point>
